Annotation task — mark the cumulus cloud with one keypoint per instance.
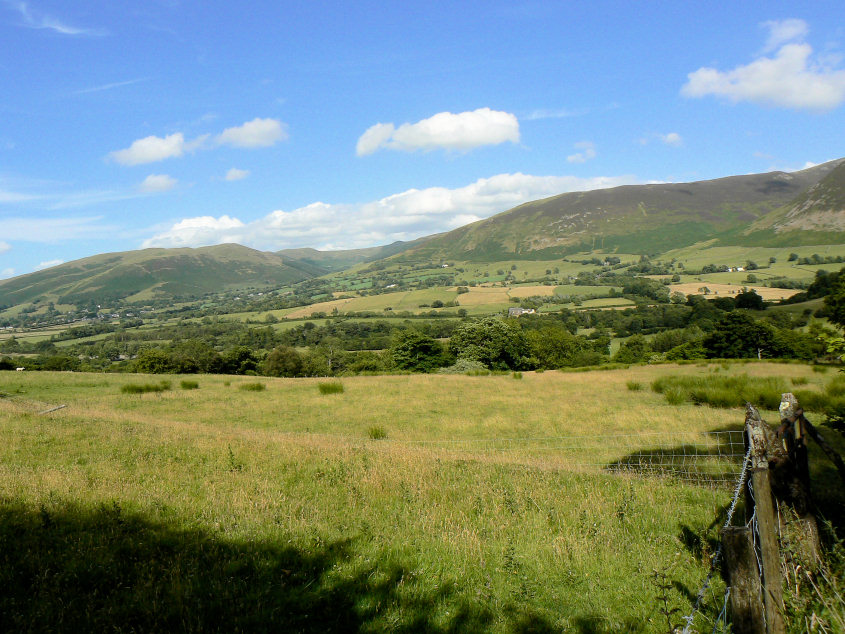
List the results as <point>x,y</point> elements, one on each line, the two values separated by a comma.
<point>252,134</point>
<point>8,272</point>
<point>402,216</point>
<point>198,231</point>
<point>446,130</point>
<point>255,133</point>
<point>48,264</point>
<point>588,151</point>
<point>155,183</point>
<point>235,174</point>
<point>152,149</point>
<point>5,246</point>
<point>783,31</point>
<point>791,78</point>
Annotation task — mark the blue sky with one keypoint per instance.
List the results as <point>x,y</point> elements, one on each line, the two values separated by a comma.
<point>126,125</point>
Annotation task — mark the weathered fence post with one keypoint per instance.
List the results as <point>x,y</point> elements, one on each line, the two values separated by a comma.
<point>744,581</point>
<point>793,430</point>
<point>756,430</point>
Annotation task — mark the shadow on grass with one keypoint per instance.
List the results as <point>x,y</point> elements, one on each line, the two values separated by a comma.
<point>716,464</point>
<point>84,570</point>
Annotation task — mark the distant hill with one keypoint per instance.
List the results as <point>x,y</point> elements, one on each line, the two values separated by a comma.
<point>656,218</point>
<point>331,261</point>
<point>155,274</point>
<point>812,217</point>
<point>773,209</point>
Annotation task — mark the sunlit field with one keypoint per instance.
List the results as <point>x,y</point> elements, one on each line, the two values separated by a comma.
<point>398,503</point>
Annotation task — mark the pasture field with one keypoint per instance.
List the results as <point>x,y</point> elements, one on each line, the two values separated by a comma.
<point>698,255</point>
<point>403,503</point>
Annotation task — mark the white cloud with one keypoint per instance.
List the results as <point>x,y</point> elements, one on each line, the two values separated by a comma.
<point>375,137</point>
<point>151,149</point>
<point>235,174</point>
<point>255,133</point>
<point>403,216</point>
<point>155,183</point>
<point>9,272</point>
<point>48,264</point>
<point>673,138</point>
<point>5,246</point>
<point>462,131</point>
<point>588,152</point>
<point>198,231</point>
<point>36,20</point>
<point>783,31</point>
<point>791,78</point>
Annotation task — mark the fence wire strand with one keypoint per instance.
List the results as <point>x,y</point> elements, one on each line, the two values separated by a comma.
<point>714,562</point>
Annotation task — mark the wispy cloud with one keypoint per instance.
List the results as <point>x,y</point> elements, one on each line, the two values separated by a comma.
<point>542,113</point>
<point>588,151</point>
<point>157,183</point>
<point>235,174</point>
<point>5,246</point>
<point>34,19</point>
<point>55,229</point>
<point>48,264</point>
<point>103,87</point>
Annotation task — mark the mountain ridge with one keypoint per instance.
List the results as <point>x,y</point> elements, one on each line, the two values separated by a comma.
<point>771,209</point>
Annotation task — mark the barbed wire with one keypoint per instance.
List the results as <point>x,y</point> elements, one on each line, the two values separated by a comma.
<point>714,561</point>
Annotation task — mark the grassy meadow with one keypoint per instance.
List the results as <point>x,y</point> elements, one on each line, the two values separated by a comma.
<point>388,503</point>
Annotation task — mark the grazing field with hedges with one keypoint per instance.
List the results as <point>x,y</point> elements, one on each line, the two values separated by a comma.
<point>390,503</point>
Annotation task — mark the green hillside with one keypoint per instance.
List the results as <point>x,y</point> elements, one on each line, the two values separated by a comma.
<point>155,274</point>
<point>333,261</point>
<point>820,210</point>
<point>637,218</point>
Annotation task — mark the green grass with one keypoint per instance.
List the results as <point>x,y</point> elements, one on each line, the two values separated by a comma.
<point>220,508</point>
<point>722,391</point>
<point>330,387</point>
<point>189,384</point>
<point>252,387</point>
<point>144,388</point>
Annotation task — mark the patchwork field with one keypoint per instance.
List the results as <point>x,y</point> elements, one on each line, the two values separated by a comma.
<point>401,503</point>
<point>695,288</point>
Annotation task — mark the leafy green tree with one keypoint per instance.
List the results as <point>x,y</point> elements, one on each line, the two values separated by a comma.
<point>749,299</point>
<point>555,347</point>
<point>835,302</point>
<point>415,351</point>
<point>283,361</point>
<point>633,350</point>
<point>154,361</point>
<point>497,343</point>
<point>739,336</point>
<point>239,360</point>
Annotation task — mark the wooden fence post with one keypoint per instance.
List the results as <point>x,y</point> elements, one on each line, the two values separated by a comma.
<point>794,431</point>
<point>756,429</point>
<point>744,581</point>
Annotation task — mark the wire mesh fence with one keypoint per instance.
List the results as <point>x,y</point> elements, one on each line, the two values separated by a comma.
<point>713,458</point>
<point>700,457</point>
